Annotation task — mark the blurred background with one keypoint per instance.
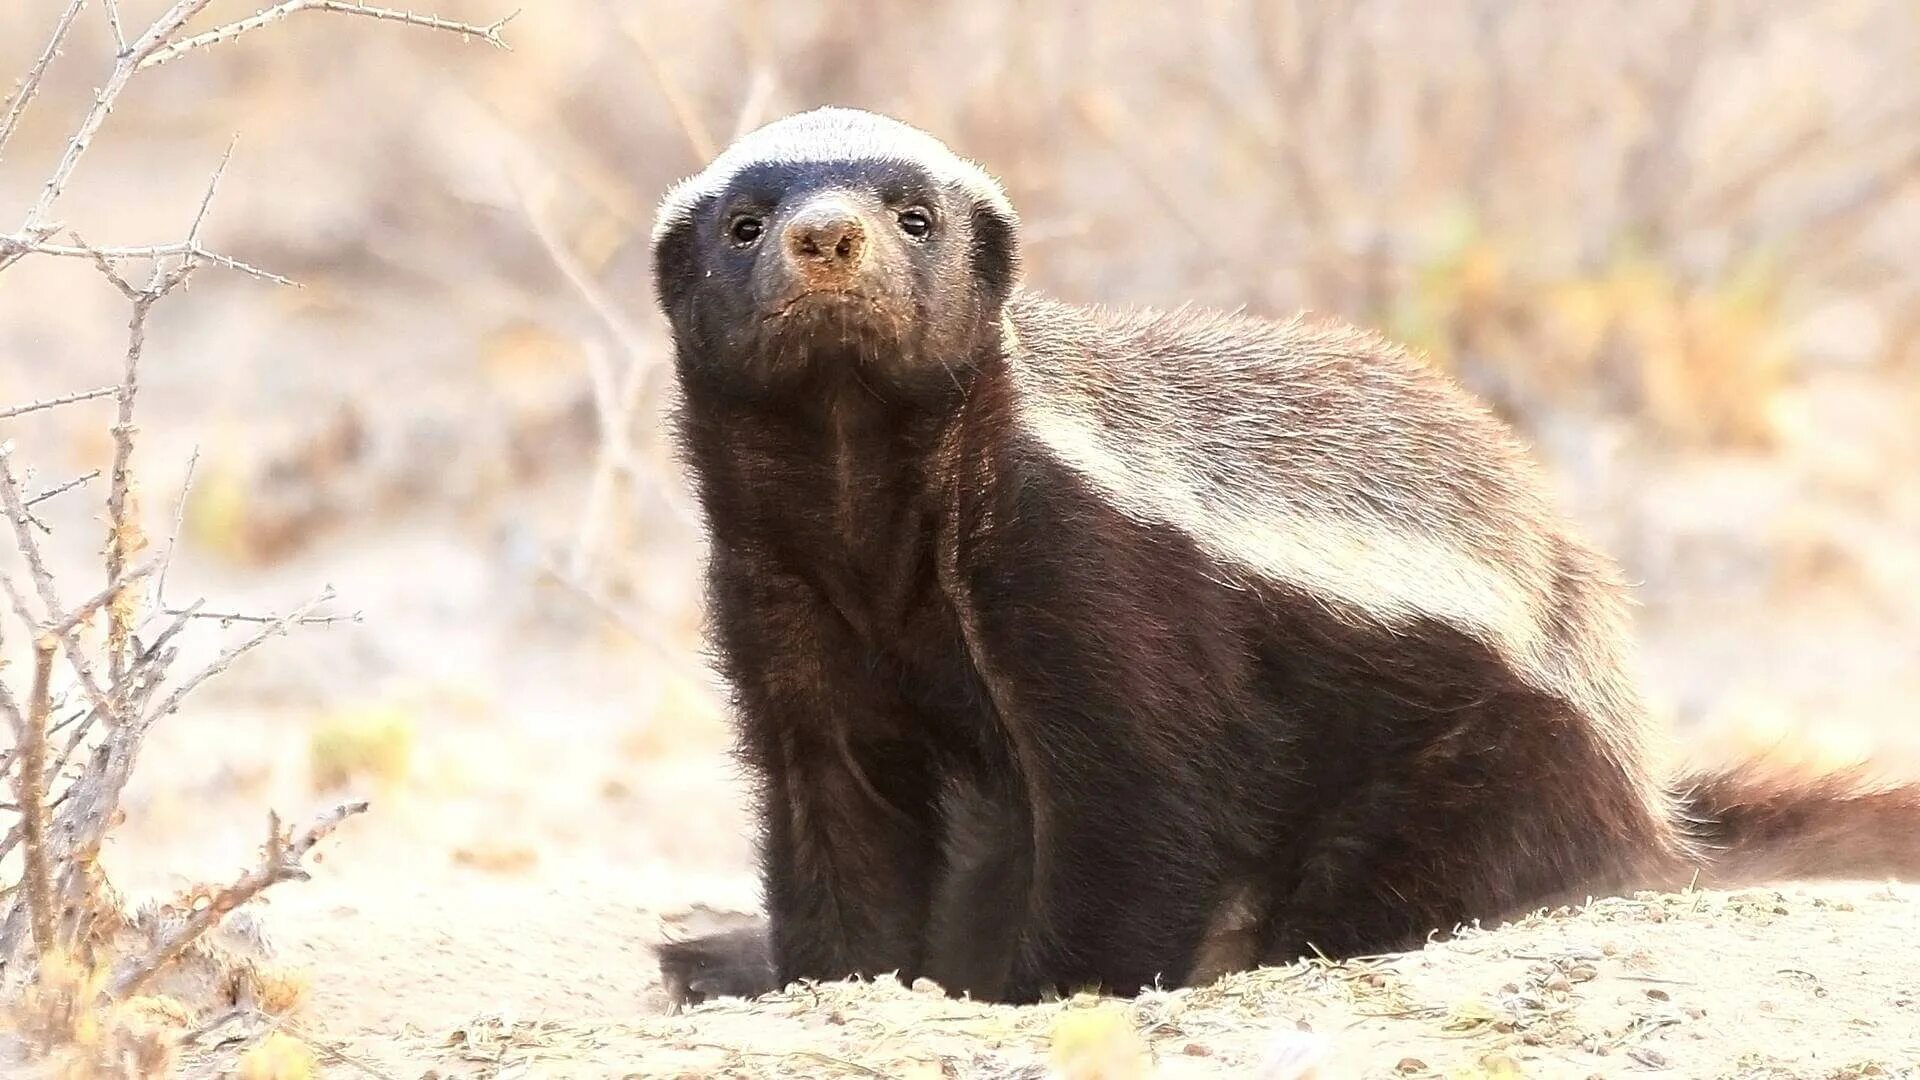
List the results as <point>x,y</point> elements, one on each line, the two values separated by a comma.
<point>1676,244</point>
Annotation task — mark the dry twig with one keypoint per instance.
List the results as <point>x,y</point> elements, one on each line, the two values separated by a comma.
<point>699,139</point>
<point>49,403</point>
<point>281,861</point>
<point>173,535</point>
<point>158,45</point>
<point>108,256</point>
<point>113,26</point>
<point>61,489</point>
<point>43,582</point>
<point>273,627</point>
<point>615,406</point>
<point>228,618</point>
<point>30,85</point>
<point>490,33</point>
<point>29,790</point>
<point>674,658</point>
<point>36,227</point>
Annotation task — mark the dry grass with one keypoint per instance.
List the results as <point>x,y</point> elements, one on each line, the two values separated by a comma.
<point>369,744</point>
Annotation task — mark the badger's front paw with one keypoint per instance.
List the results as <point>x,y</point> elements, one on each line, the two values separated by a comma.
<point>730,963</point>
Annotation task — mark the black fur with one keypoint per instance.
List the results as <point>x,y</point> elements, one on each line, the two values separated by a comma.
<point>731,963</point>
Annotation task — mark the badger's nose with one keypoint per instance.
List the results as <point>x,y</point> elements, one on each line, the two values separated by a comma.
<point>826,240</point>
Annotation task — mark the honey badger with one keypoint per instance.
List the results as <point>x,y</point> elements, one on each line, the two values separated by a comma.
<point>1075,647</point>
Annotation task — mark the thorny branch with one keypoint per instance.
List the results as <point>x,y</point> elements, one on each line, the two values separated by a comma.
<point>173,534</point>
<point>43,582</point>
<point>65,817</point>
<point>106,598</point>
<point>123,532</point>
<point>36,227</point>
<point>62,489</point>
<point>158,45</point>
<point>490,33</point>
<point>227,618</point>
<point>49,403</point>
<point>273,627</point>
<point>112,255</point>
<point>281,862</point>
<point>131,697</point>
<point>30,85</point>
<point>113,24</point>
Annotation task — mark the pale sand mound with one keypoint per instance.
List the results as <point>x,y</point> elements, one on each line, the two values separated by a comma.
<point>518,980</point>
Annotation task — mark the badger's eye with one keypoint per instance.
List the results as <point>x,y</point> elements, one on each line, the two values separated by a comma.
<point>916,222</point>
<point>745,229</point>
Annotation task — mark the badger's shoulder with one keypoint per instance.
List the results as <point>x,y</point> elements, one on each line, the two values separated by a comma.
<point>1323,457</point>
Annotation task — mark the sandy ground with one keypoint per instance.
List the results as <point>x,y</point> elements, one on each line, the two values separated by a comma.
<point>548,974</point>
<point>1702,985</point>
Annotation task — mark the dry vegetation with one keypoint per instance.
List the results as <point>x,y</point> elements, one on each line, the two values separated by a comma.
<point>81,974</point>
<point>1675,243</point>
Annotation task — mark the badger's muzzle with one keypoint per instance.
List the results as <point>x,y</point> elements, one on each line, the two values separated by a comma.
<point>825,244</point>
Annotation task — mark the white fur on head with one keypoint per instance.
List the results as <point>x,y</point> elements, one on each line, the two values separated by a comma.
<point>830,133</point>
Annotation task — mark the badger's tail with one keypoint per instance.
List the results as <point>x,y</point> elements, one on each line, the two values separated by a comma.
<point>1759,822</point>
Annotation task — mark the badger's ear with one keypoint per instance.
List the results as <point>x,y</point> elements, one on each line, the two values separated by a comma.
<point>996,248</point>
<point>676,258</point>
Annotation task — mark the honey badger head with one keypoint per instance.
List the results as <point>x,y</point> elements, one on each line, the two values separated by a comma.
<point>835,243</point>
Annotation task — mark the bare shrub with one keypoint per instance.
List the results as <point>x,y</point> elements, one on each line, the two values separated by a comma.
<point>75,965</point>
